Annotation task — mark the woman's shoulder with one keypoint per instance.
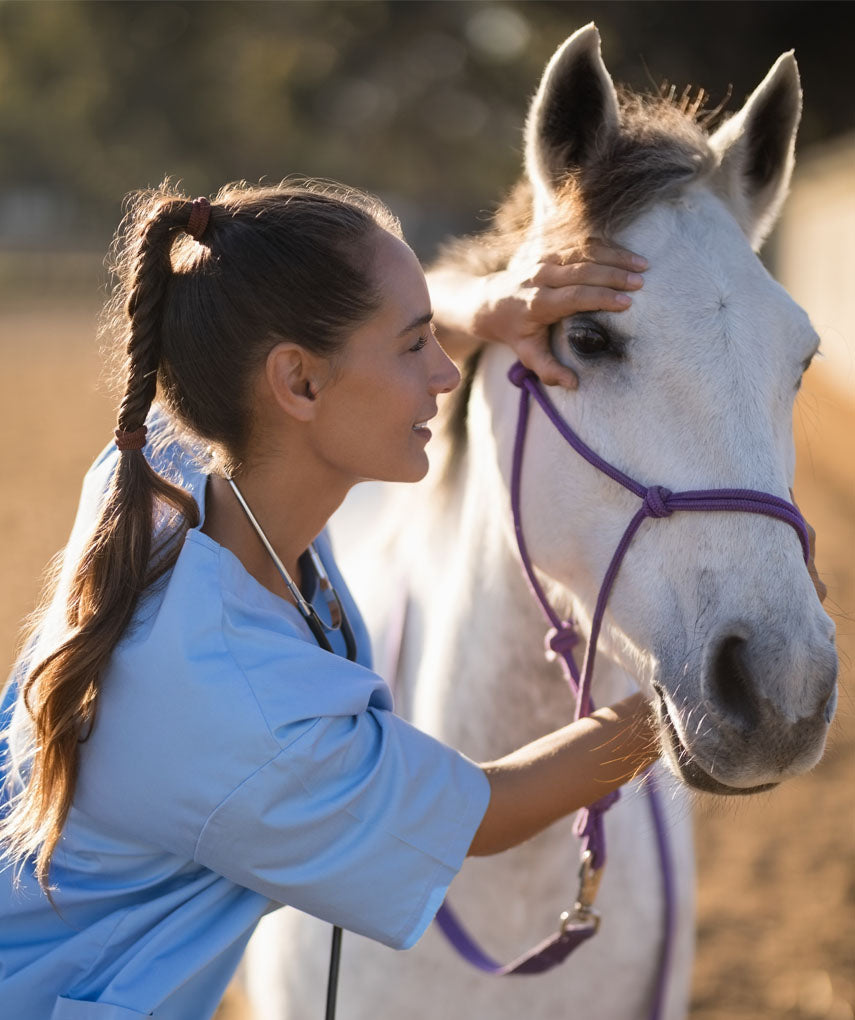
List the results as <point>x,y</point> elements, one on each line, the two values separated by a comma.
<point>216,682</point>
<point>212,636</point>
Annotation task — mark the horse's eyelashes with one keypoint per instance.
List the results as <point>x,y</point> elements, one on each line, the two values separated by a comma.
<point>591,342</point>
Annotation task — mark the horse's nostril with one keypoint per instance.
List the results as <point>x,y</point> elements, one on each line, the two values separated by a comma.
<point>732,685</point>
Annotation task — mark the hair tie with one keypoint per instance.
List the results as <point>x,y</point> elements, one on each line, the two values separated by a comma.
<point>130,440</point>
<point>200,214</point>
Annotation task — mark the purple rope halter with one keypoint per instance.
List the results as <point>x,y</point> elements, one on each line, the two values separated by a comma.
<point>656,502</point>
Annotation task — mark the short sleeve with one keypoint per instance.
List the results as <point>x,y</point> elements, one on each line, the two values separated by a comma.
<point>363,821</point>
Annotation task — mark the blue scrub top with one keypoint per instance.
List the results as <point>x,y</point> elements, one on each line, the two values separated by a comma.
<point>234,767</point>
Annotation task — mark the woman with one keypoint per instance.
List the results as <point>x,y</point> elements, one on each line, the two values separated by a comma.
<point>183,752</point>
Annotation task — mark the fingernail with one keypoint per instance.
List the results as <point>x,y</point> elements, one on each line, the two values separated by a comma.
<point>624,300</point>
<point>634,280</point>
<point>639,261</point>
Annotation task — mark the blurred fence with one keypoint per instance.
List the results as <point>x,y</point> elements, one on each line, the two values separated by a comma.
<point>27,274</point>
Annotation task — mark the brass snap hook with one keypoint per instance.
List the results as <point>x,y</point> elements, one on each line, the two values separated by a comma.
<point>589,883</point>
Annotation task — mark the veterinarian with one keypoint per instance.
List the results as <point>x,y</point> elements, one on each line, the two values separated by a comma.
<point>194,735</point>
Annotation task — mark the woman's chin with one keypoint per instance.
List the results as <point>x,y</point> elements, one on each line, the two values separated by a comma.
<point>413,470</point>
<point>415,474</point>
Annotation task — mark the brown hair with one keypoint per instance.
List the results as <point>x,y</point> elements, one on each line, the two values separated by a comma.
<point>196,319</point>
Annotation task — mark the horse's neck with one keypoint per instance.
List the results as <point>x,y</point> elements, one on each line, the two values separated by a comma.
<point>483,681</point>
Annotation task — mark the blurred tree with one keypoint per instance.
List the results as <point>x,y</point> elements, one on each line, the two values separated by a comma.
<point>420,101</point>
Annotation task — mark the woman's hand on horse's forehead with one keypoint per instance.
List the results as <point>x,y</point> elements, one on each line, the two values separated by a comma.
<point>526,301</point>
<point>590,277</point>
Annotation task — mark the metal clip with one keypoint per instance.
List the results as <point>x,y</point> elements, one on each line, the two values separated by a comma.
<point>583,910</point>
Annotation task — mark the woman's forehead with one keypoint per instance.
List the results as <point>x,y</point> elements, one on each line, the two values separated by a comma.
<point>401,283</point>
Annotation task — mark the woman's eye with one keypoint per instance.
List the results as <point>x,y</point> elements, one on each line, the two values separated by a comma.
<point>417,346</point>
<point>588,342</point>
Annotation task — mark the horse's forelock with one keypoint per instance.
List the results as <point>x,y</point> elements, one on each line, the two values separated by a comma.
<point>660,147</point>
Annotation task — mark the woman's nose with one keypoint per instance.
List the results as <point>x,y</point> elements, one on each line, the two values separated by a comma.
<point>445,375</point>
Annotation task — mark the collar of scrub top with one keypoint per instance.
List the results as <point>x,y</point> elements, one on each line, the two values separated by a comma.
<point>338,617</point>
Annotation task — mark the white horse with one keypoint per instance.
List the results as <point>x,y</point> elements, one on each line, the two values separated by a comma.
<point>713,614</point>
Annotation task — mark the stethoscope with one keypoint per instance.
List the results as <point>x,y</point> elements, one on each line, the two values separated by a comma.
<point>319,629</point>
<point>338,617</point>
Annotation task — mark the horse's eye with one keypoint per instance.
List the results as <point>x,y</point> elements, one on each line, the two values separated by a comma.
<point>589,342</point>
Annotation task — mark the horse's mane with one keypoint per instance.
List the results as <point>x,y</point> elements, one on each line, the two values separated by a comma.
<point>661,146</point>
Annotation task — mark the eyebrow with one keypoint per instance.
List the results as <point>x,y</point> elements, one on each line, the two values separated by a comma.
<point>421,320</point>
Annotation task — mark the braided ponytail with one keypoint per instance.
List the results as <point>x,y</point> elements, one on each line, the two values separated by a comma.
<point>119,563</point>
<point>204,292</point>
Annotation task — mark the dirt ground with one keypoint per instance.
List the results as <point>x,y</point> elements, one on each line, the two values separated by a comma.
<point>776,888</point>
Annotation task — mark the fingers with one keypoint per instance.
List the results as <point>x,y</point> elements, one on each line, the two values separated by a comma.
<point>554,303</point>
<point>518,307</point>
<point>599,251</point>
<point>536,355</point>
<point>590,274</point>
<point>594,277</point>
<point>595,250</point>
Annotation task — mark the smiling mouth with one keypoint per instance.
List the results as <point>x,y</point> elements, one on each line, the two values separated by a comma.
<point>686,765</point>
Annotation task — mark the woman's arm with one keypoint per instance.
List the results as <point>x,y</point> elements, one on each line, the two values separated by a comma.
<point>517,305</point>
<point>564,771</point>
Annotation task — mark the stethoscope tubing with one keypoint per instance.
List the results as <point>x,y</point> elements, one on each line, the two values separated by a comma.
<point>314,622</point>
<point>319,630</point>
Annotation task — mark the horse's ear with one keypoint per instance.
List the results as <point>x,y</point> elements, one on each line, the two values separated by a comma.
<point>756,150</point>
<point>575,108</point>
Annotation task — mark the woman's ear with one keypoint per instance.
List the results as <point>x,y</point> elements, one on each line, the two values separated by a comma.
<point>293,376</point>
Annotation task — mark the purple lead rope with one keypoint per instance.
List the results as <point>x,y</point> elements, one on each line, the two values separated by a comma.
<point>657,502</point>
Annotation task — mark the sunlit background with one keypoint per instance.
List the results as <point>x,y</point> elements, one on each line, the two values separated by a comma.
<point>423,102</point>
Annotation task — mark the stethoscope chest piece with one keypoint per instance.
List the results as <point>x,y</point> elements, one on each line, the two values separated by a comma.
<point>318,627</point>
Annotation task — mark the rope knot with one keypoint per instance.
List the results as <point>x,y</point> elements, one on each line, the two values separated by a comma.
<point>518,373</point>
<point>561,641</point>
<point>656,501</point>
